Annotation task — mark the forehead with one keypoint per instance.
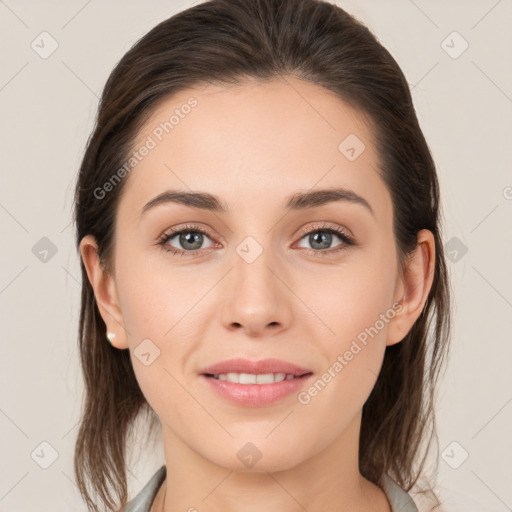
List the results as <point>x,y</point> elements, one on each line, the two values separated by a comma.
<point>258,141</point>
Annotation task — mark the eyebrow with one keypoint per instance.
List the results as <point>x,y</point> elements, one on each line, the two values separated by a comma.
<point>298,201</point>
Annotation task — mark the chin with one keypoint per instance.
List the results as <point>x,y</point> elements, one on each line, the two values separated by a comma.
<point>255,457</point>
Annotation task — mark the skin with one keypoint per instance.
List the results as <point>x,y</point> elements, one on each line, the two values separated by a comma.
<point>253,145</point>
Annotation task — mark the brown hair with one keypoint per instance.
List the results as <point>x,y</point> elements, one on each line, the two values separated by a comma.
<point>225,42</point>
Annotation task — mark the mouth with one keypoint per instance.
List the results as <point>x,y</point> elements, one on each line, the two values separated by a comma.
<point>256,378</point>
<point>245,369</point>
<point>255,383</point>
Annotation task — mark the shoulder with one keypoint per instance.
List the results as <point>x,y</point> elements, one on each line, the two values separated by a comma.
<point>142,502</point>
<point>398,498</point>
<point>446,500</point>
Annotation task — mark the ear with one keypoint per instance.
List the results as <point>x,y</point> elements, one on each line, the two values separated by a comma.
<point>413,287</point>
<point>104,286</point>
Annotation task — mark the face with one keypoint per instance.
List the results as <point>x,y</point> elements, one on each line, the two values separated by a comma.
<point>308,283</point>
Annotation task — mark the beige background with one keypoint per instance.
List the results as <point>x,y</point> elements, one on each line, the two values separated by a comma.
<point>47,109</point>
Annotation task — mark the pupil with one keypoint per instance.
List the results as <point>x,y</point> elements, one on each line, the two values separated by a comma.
<point>321,234</point>
<point>189,238</point>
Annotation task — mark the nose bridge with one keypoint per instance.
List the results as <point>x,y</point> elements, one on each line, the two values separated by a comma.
<point>256,297</point>
<point>253,260</point>
<point>253,254</point>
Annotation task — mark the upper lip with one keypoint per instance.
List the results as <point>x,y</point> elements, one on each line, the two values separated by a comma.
<point>240,365</point>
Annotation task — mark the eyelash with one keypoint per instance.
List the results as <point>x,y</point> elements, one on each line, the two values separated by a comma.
<point>347,240</point>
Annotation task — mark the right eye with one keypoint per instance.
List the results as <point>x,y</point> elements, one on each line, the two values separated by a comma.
<point>189,237</point>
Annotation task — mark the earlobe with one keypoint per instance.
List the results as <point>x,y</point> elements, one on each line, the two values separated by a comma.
<point>416,284</point>
<point>104,288</point>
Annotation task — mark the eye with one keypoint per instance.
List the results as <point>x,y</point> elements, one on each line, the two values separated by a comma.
<point>189,239</point>
<point>321,237</point>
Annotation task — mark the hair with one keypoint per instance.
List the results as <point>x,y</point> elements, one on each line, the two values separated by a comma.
<point>227,42</point>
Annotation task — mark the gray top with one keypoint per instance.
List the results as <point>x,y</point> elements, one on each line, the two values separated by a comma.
<point>399,499</point>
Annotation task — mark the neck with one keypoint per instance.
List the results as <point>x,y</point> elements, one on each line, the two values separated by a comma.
<point>329,481</point>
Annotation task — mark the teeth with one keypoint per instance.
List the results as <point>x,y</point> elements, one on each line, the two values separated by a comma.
<point>251,378</point>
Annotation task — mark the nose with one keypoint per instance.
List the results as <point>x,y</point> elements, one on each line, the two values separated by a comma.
<point>257,300</point>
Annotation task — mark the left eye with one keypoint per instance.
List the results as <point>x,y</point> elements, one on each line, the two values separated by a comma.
<point>191,240</point>
<point>322,238</point>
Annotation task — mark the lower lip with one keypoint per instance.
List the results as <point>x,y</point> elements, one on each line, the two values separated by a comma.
<point>256,395</point>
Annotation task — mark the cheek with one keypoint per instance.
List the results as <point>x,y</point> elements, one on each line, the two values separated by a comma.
<point>162,325</point>
<point>351,299</point>
<point>355,305</point>
<point>353,359</point>
<point>152,299</point>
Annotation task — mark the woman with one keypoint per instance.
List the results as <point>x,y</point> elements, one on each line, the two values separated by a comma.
<point>258,219</point>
